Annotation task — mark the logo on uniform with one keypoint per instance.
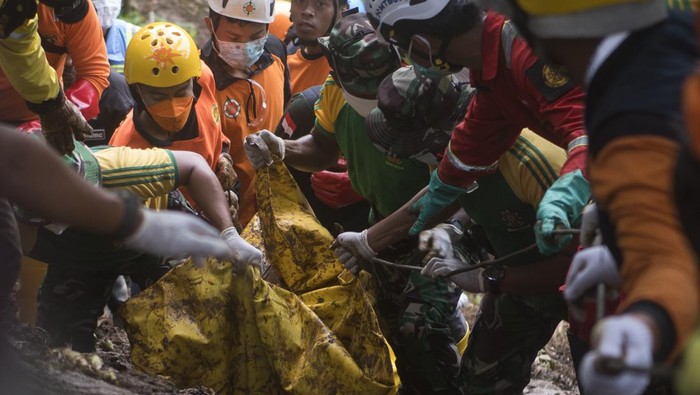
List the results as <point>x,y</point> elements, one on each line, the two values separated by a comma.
<point>232,108</point>
<point>554,76</point>
<point>249,8</point>
<point>513,221</point>
<point>215,113</point>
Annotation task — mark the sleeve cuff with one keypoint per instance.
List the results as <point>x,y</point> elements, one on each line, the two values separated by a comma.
<point>667,331</point>
<point>47,105</point>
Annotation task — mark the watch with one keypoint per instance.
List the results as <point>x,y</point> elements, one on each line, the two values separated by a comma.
<point>493,275</point>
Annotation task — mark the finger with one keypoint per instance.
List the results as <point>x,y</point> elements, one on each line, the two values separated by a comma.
<point>417,226</point>
<point>212,246</point>
<point>547,227</point>
<point>425,240</point>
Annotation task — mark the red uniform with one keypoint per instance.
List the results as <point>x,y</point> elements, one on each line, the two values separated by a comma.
<point>516,90</point>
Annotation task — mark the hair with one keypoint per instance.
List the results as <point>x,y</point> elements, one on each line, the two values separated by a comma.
<point>457,18</point>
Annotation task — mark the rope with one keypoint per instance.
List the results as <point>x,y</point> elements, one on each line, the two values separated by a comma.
<point>463,270</point>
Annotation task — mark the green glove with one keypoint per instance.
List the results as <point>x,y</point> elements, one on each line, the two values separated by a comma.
<point>560,207</point>
<point>439,196</point>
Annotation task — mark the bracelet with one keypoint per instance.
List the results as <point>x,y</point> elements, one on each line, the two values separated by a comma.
<point>128,224</point>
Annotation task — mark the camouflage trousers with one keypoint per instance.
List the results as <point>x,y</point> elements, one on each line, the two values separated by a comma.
<point>504,341</point>
<point>422,325</point>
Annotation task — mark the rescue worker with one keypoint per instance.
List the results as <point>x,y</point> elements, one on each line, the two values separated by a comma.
<point>312,19</point>
<point>329,192</point>
<point>76,34</point>
<point>117,32</point>
<point>27,69</point>
<point>175,104</point>
<point>116,100</point>
<point>521,307</point>
<point>515,90</point>
<point>420,313</point>
<point>60,194</point>
<point>633,63</point>
<point>83,266</point>
<point>252,80</point>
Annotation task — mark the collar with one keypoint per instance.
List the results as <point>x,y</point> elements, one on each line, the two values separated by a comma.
<point>222,78</point>
<point>491,44</point>
<point>606,47</point>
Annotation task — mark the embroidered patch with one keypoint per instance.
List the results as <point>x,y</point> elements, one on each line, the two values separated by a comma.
<point>215,113</point>
<point>232,109</point>
<point>551,81</point>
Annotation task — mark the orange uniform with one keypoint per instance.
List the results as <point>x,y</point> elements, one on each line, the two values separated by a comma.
<point>84,43</point>
<point>241,105</point>
<point>306,70</point>
<point>208,140</point>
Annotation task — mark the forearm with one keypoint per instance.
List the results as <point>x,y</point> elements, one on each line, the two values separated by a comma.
<point>204,187</point>
<point>542,277</point>
<point>310,154</point>
<point>395,227</point>
<point>33,176</point>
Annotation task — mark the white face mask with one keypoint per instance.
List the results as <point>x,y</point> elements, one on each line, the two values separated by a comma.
<point>362,106</point>
<point>107,15</point>
<point>241,56</point>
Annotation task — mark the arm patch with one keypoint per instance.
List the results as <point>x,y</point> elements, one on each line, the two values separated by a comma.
<point>550,80</point>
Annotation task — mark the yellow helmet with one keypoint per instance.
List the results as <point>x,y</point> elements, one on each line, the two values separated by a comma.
<point>161,55</point>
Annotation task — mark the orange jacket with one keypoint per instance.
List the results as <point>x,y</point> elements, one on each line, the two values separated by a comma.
<point>233,101</point>
<point>306,71</point>
<point>209,142</point>
<point>83,42</point>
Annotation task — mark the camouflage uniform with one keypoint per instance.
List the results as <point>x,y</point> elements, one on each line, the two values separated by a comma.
<point>421,321</point>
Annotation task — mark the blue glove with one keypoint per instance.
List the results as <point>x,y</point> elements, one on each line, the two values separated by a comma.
<point>560,207</point>
<point>438,197</point>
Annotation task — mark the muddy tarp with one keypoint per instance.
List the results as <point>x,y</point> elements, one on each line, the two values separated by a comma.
<point>313,334</point>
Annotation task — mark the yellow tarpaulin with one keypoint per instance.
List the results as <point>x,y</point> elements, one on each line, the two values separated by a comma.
<point>240,334</point>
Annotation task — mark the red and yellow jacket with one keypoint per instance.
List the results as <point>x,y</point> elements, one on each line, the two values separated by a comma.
<point>515,90</point>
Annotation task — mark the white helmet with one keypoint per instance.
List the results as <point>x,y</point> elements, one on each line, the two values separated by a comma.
<point>259,11</point>
<point>383,14</point>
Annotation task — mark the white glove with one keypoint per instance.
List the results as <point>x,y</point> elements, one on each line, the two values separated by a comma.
<point>260,147</point>
<point>351,248</point>
<point>589,268</point>
<point>625,339</point>
<point>471,281</point>
<point>438,241</point>
<point>244,254</point>
<point>178,235</point>
<point>590,235</point>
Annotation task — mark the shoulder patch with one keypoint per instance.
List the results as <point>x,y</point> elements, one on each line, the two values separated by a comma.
<point>551,81</point>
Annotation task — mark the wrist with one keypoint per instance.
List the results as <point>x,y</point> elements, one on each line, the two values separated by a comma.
<point>493,278</point>
<point>132,216</point>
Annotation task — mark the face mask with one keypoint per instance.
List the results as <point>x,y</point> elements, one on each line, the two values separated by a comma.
<point>171,115</point>
<point>432,71</point>
<point>362,106</point>
<point>241,56</point>
<point>107,15</point>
